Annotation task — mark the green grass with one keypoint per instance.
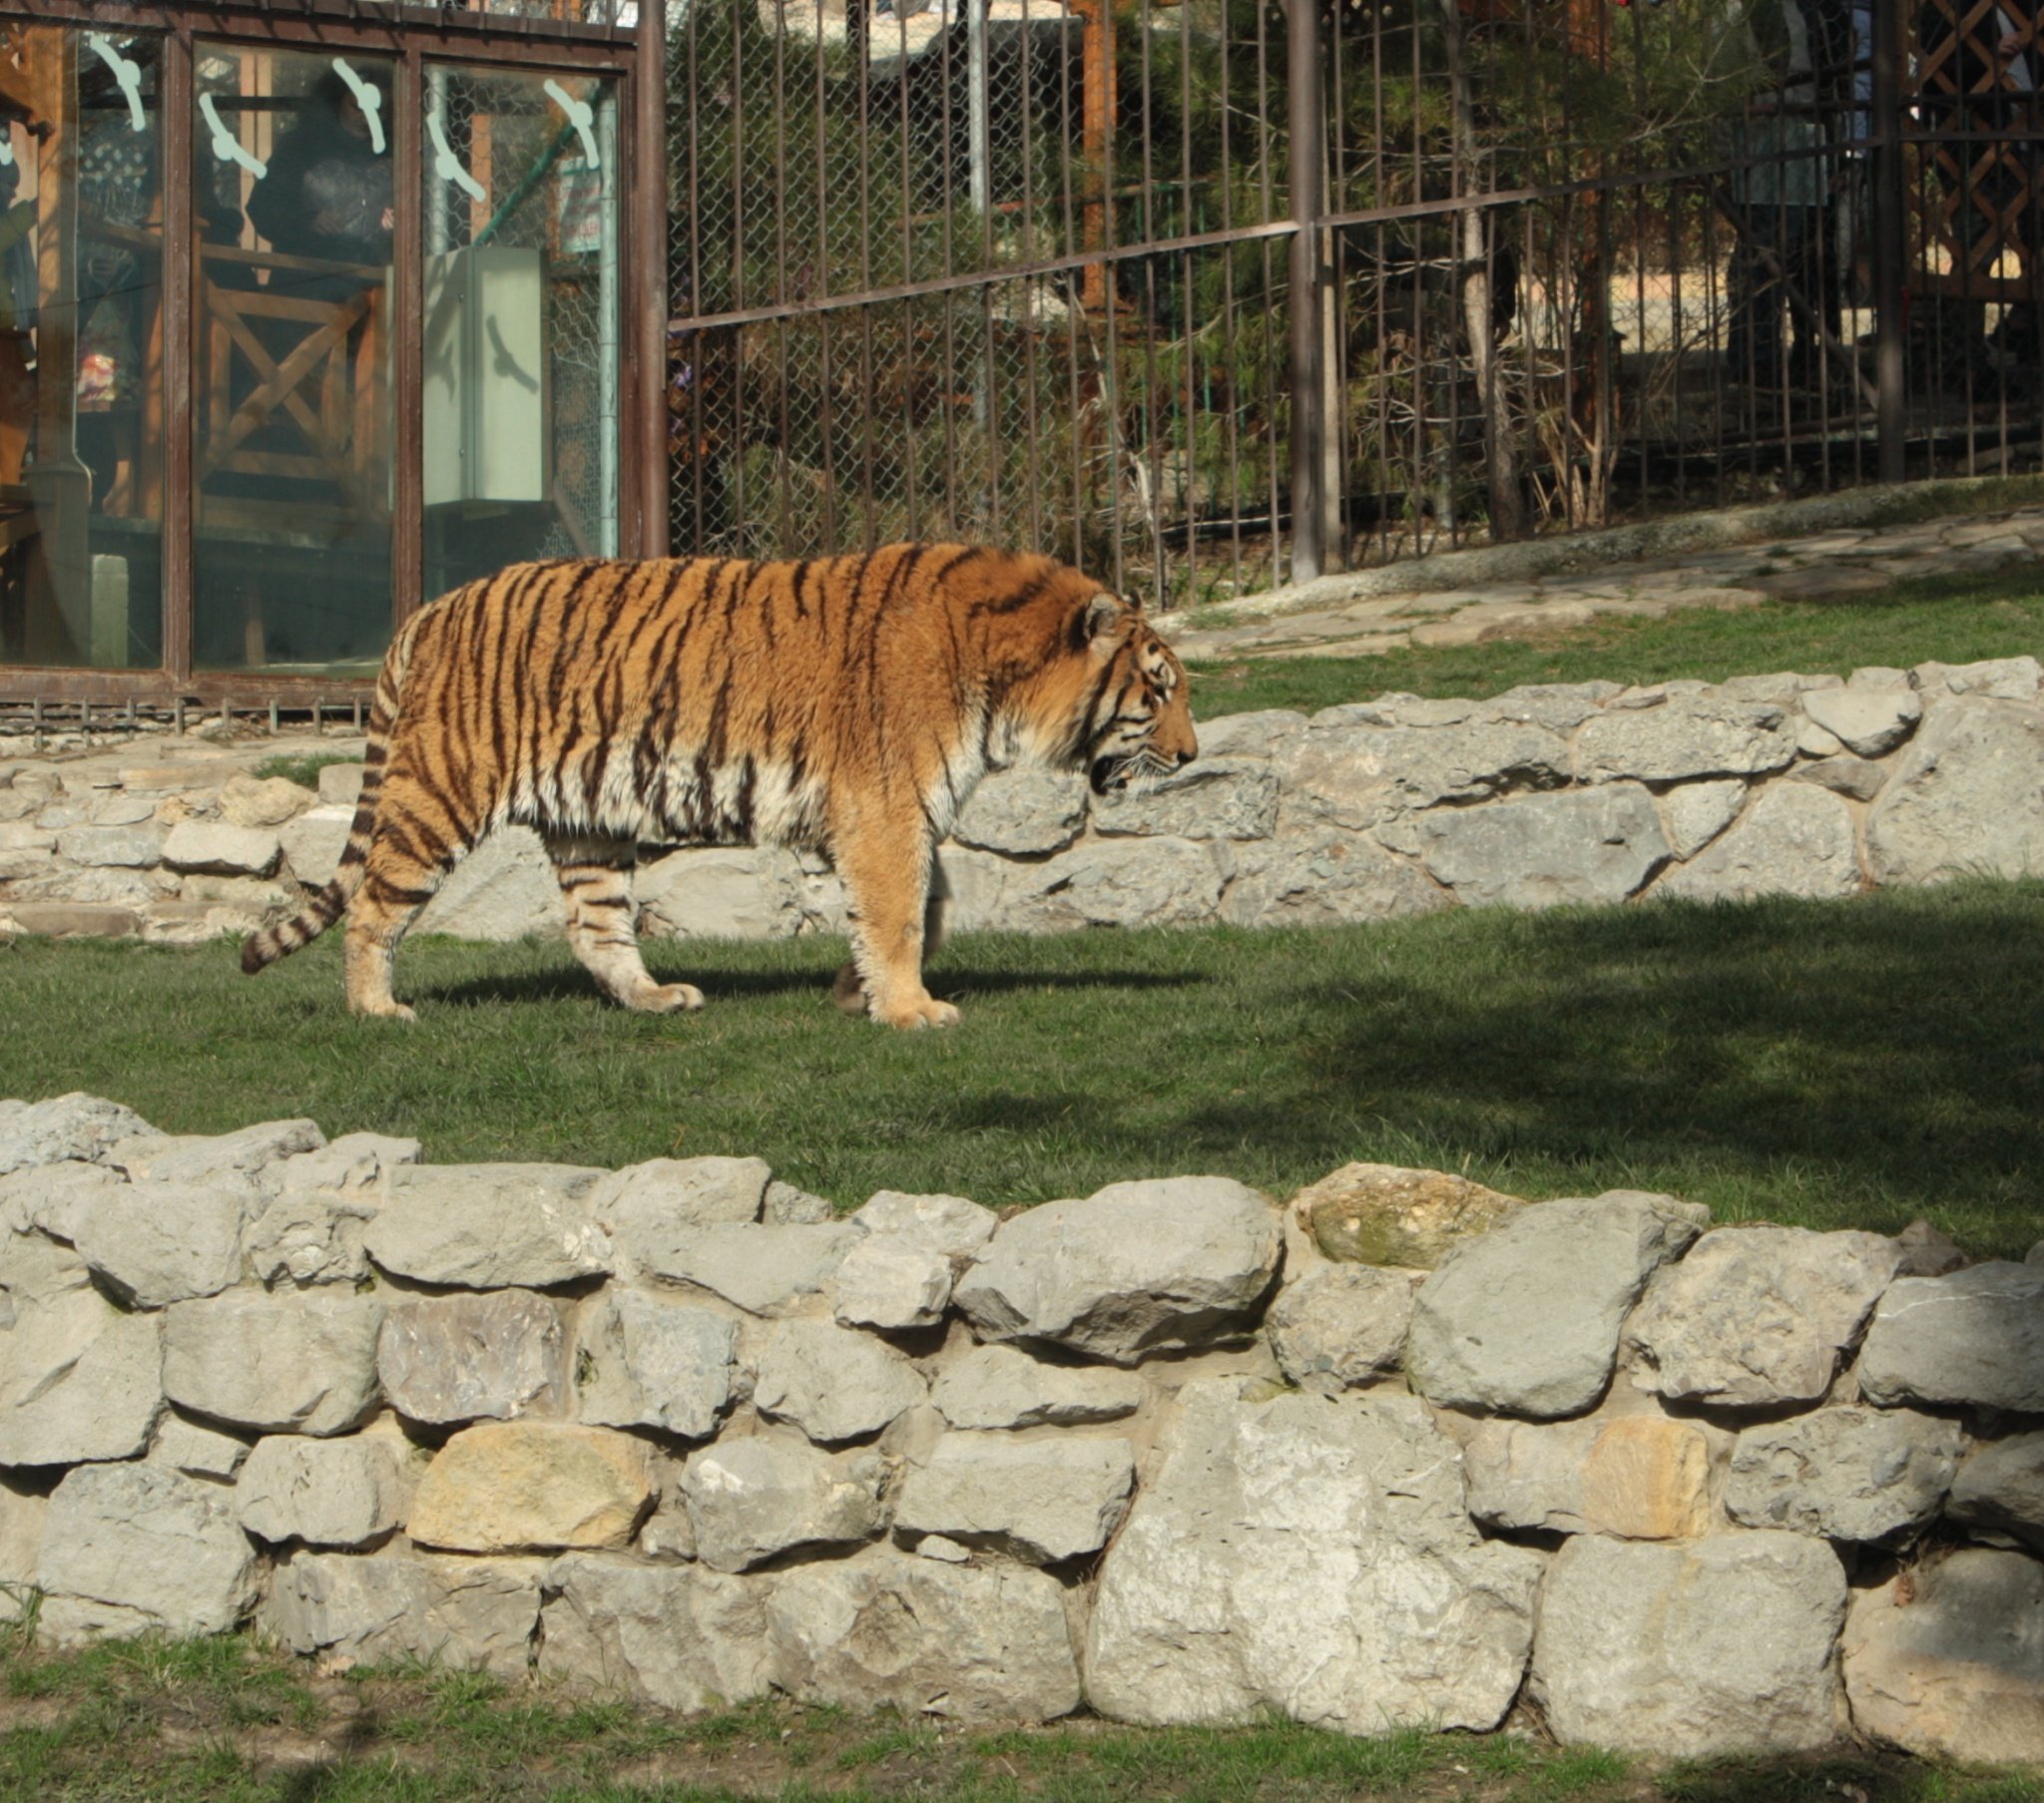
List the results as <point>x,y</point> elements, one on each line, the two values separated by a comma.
<point>1838,1064</point>
<point>302,768</point>
<point>1955,619</point>
<point>221,1721</point>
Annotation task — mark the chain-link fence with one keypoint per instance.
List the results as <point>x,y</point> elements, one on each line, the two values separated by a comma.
<point>1032,272</point>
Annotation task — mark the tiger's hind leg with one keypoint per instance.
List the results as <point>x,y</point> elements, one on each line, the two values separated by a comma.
<point>848,990</point>
<point>596,882</point>
<point>409,858</point>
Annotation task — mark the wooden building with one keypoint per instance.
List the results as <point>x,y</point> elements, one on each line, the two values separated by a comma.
<point>311,310</point>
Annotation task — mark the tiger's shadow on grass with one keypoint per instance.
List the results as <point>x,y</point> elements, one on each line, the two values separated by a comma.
<point>571,983</point>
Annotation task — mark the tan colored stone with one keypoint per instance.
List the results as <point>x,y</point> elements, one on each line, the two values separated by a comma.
<point>1645,1478</point>
<point>508,1485</point>
<point>268,801</point>
<point>1388,1214</point>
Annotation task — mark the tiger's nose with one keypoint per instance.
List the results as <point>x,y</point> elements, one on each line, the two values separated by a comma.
<point>1184,758</point>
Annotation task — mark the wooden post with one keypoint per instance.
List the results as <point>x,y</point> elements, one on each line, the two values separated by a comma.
<point>1308,125</point>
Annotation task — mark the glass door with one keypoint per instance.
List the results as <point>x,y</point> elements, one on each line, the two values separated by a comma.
<point>519,409</point>
<point>295,208</point>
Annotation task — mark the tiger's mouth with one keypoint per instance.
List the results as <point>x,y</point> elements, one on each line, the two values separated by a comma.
<point>1111,775</point>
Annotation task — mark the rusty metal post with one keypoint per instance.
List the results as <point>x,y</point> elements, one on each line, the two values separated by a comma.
<point>1306,120</point>
<point>1890,242</point>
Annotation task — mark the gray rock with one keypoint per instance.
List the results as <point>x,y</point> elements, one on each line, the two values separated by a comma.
<point>1853,777</point>
<point>2001,1487</point>
<point>644,1362</point>
<point>132,1547</point>
<point>353,1164</point>
<point>1852,1474</point>
<point>52,1199</point>
<point>648,1208</point>
<point>672,1636</point>
<point>249,1155</point>
<point>209,846</point>
<point>310,1236</point>
<point>1005,1387</point>
<point>125,847</point>
<point>1357,776</point>
<point>1755,1316</point>
<point>1640,1477</point>
<point>889,1630</point>
<point>1136,883</point>
<point>289,1363</point>
<point>1042,1501</point>
<point>1926,1253</point>
<point>949,1224</point>
<point>22,1512</point>
<point>79,1381</point>
<point>1797,839</point>
<point>1324,879</point>
<point>313,843</point>
<point>751,1499</point>
<point>1871,722</point>
<point>891,1283</point>
<point>1265,733</point>
<point>833,1383</point>
<point>326,1493</point>
<point>1698,812</point>
<point>1962,797</point>
<point>155,1243</point>
<point>784,1206</point>
<point>1596,845</point>
<point>1997,679</point>
<point>1023,812</point>
<point>1974,1338</point>
<point>1213,798</point>
<point>489,1226</point>
<point>1525,1320</point>
<point>457,1615</point>
<point>1312,1556</point>
<point>1341,1325</point>
<point>503,890</point>
<point>1686,736</point>
<point>1952,1666</point>
<point>198,1452</point>
<point>1724,1646</point>
<point>764,1270</point>
<point>263,801</point>
<point>446,1360</point>
<point>721,893</point>
<point>1134,1269</point>
<point>76,1125</point>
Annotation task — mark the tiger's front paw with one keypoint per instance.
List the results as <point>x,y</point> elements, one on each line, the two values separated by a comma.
<point>927,1011</point>
<point>671,997</point>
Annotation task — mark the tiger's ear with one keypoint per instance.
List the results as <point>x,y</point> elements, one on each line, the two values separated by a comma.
<point>1100,618</point>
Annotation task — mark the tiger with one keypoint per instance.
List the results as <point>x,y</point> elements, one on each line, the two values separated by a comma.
<point>844,705</point>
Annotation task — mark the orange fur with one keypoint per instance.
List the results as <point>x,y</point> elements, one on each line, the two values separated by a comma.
<point>846,705</point>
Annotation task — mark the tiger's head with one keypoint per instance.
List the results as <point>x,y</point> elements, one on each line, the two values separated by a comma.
<point>1138,720</point>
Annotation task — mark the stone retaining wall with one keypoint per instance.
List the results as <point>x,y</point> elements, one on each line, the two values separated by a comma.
<point>1403,1451</point>
<point>1803,785</point>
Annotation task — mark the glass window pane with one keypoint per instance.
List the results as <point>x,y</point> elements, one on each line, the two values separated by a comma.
<point>520,408</point>
<point>81,352</point>
<point>294,205</point>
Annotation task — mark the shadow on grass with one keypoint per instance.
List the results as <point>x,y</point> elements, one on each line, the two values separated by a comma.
<point>719,980</point>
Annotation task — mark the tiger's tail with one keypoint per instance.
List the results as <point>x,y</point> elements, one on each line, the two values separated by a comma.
<point>262,948</point>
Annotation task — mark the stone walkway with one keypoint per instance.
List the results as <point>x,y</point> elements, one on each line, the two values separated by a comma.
<point>1827,565</point>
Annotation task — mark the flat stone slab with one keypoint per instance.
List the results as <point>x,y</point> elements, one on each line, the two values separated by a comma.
<point>459,1615</point>
<point>1042,1501</point>
<point>489,1226</point>
<point>765,1269</point>
<point>1722,1646</point>
<point>1008,1387</point>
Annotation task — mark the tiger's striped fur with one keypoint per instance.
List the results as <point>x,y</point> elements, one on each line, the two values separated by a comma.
<point>847,705</point>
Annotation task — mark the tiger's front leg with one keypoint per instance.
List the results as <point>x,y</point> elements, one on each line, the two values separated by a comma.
<point>886,884</point>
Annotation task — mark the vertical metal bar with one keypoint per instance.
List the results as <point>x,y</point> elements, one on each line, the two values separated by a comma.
<point>181,335</point>
<point>1889,246</point>
<point>1307,123</point>
<point>645,325</point>
<point>407,522</point>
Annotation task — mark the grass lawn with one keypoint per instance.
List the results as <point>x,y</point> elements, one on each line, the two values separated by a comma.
<point>1844,1064</point>
<point>215,1721</point>
<point>1956,619</point>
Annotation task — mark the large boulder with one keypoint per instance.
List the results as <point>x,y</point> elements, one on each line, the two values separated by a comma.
<point>489,1226</point>
<point>1757,1316</point>
<point>1038,1499</point>
<point>458,1615</point>
<point>1134,1269</point>
<point>1686,736</point>
<point>127,1548</point>
<point>888,1630</point>
<point>1722,1646</point>
<point>1971,1339</point>
<point>1309,1555</point>
<point>1525,1320</point>
<point>511,1486</point>
<point>752,1499</point>
<point>287,1364</point>
<point>1797,839</point>
<point>676,1637</point>
<point>1851,1474</point>
<point>1947,1660</point>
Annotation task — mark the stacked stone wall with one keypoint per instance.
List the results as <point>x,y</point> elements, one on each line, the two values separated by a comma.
<point>1403,1451</point>
<point>1588,792</point>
